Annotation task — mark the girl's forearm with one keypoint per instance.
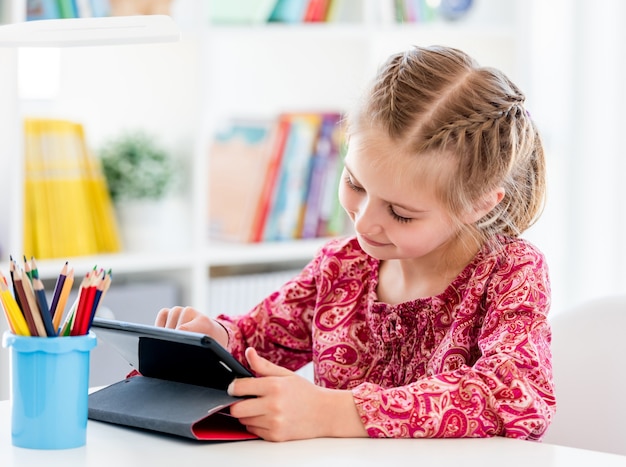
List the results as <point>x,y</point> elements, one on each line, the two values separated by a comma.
<point>341,416</point>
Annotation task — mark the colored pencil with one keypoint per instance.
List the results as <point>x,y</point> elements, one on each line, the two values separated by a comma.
<point>86,294</point>
<point>12,272</point>
<point>42,302</point>
<point>32,305</point>
<point>65,292</point>
<point>101,290</point>
<point>58,288</point>
<point>27,310</point>
<point>32,327</point>
<point>69,319</point>
<point>27,269</point>
<point>34,269</point>
<point>13,314</point>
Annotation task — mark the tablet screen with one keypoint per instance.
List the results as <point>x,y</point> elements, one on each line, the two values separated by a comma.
<point>169,354</point>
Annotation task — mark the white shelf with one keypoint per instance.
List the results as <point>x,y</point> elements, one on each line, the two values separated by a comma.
<point>225,254</point>
<point>217,254</point>
<point>80,32</point>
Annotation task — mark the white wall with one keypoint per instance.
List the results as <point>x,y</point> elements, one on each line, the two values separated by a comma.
<point>578,58</point>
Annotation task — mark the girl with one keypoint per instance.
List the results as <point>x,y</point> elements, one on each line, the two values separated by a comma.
<point>431,320</point>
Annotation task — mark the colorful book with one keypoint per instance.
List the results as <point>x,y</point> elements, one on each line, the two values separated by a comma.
<point>241,153</point>
<point>316,11</point>
<point>68,211</point>
<point>322,166</point>
<point>291,187</point>
<point>68,8</point>
<point>289,11</point>
<point>240,11</point>
<point>266,198</point>
<point>42,9</point>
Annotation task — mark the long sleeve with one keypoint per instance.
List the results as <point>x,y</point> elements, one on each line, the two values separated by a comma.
<point>279,327</point>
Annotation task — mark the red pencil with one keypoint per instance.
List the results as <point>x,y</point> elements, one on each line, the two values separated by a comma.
<point>85,304</point>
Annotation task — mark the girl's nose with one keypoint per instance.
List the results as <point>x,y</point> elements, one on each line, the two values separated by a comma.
<point>365,220</point>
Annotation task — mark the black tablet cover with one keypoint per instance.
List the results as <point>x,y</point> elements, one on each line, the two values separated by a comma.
<point>181,385</point>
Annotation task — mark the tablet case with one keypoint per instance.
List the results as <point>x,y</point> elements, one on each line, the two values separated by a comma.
<point>179,388</point>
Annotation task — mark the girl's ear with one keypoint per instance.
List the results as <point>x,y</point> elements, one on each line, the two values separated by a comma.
<point>484,206</point>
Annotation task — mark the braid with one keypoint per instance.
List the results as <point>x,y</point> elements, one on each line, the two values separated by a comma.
<point>440,101</point>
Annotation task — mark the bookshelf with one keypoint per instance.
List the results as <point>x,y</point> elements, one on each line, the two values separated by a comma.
<point>312,66</point>
<point>184,90</point>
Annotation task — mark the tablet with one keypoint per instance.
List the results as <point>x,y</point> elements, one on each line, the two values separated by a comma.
<point>170,354</point>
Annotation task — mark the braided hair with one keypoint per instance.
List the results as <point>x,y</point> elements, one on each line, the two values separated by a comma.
<point>439,101</point>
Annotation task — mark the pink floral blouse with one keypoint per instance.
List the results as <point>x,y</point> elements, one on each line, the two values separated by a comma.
<point>473,361</point>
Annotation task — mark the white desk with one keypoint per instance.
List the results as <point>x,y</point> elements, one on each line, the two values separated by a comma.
<point>115,446</point>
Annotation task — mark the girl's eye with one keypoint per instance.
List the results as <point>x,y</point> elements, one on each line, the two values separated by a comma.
<point>396,217</point>
<point>352,186</point>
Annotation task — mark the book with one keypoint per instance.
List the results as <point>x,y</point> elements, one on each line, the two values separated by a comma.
<point>322,168</point>
<point>42,9</point>
<point>68,8</point>
<point>347,11</point>
<point>239,156</point>
<point>266,198</point>
<point>240,11</point>
<point>100,8</point>
<point>178,385</point>
<point>67,207</point>
<point>291,186</point>
<point>289,11</point>
<point>316,11</point>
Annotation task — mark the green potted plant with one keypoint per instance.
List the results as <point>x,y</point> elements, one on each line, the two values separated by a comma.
<point>136,167</point>
<point>140,173</point>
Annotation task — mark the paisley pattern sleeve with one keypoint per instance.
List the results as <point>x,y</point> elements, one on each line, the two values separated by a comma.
<point>279,327</point>
<point>506,391</point>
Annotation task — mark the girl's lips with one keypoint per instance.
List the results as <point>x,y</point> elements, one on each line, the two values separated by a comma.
<point>371,242</point>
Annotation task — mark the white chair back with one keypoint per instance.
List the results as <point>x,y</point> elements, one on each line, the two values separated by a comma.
<point>589,362</point>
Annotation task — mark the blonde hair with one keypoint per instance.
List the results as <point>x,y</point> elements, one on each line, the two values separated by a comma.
<point>438,100</point>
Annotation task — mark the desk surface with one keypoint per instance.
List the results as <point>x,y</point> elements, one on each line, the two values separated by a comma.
<point>115,446</point>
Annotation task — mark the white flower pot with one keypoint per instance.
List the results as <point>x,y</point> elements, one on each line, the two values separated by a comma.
<point>147,225</point>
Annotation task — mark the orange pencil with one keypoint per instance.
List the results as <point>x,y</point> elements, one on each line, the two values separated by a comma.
<point>58,288</point>
<point>60,307</point>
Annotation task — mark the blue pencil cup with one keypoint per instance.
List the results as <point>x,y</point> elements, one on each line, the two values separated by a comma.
<point>49,390</point>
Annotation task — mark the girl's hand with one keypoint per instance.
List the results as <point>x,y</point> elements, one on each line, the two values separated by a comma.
<point>288,407</point>
<point>190,319</point>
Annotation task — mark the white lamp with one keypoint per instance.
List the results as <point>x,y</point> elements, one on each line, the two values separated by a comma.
<point>90,31</point>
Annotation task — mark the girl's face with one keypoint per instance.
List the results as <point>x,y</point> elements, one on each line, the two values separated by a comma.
<point>391,199</point>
